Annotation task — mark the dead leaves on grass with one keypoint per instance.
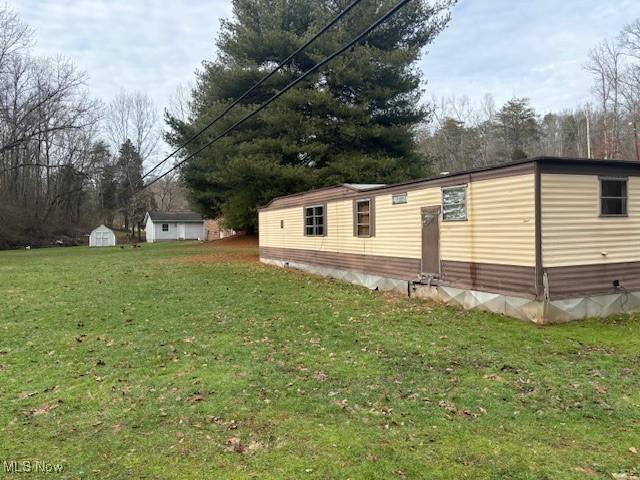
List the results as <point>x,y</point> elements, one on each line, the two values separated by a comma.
<point>230,424</point>
<point>494,376</point>
<point>42,409</point>
<point>25,395</point>
<point>320,376</point>
<point>453,409</point>
<point>587,471</point>
<point>235,445</point>
<point>195,398</point>
<point>601,389</point>
<point>625,476</point>
<point>224,258</point>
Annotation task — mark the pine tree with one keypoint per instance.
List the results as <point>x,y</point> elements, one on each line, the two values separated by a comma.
<point>129,181</point>
<point>353,122</point>
<point>518,124</point>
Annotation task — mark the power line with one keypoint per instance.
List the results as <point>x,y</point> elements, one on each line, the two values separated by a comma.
<point>260,83</point>
<point>265,104</point>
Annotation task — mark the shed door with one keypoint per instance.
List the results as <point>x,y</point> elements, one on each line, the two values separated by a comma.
<point>431,240</point>
<point>98,239</point>
<point>182,231</point>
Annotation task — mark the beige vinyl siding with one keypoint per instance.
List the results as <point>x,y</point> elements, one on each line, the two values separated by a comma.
<point>573,233</point>
<point>500,227</point>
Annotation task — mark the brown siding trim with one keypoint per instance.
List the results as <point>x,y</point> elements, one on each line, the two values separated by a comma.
<point>336,194</point>
<point>538,232</point>
<point>319,195</point>
<point>392,267</point>
<point>490,277</point>
<point>585,280</point>
<point>502,279</point>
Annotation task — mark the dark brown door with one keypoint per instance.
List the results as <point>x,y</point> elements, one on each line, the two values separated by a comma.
<point>431,240</point>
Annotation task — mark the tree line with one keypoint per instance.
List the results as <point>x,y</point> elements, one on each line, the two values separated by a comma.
<point>67,161</point>
<point>463,134</point>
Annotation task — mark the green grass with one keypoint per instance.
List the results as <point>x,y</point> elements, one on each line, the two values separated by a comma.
<point>131,363</point>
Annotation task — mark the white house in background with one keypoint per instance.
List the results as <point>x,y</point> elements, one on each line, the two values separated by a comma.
<point>172,226</point>
<point>102,237</point>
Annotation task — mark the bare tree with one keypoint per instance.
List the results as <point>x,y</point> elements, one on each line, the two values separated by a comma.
<point>605,64</point>
<point>15,35</point>
<point>180,104</point>
<point>133,116</point>
<point>169,194</point>
<point>47,126</point>
<point>630,39</point>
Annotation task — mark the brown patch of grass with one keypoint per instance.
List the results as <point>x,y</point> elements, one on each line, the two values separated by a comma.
<point>240,249</point>
<point>241,241</point>
<point>218,258</point>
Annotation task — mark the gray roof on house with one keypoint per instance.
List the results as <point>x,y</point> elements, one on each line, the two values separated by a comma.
<point>175,217</point>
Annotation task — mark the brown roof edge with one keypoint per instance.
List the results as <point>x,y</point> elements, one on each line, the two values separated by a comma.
<point>566,162</point>
<point>313,190</point>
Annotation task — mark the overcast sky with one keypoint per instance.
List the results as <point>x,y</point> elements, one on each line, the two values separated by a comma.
<point>504,47</point>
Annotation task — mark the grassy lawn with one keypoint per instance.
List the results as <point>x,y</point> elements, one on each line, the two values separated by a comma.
<point>195,361</point>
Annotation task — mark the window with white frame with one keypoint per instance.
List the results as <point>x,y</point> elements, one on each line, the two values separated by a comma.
<point>165,227</point>
<point>314,221</point>
<point>613,197</point>
<point>454,203</point>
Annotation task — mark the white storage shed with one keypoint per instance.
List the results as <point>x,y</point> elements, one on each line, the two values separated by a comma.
<point>102,237</point>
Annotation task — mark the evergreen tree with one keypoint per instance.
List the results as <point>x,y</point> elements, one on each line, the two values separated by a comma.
<point>518,123</point>
<point>353,122</point>
<point>107,186</point>
<point>570,136</point>
<point>129,181</point>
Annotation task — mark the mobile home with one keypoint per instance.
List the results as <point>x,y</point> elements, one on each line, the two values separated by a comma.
<point>544,239</point>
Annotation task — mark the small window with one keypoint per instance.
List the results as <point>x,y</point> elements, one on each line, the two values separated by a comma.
<point>281,223</point>
<point>363,218</point>
<point>613,197</point>
<point>165,227</point>
<point>399,199</point>
<point>454,203</point>
<point>314,218</point>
